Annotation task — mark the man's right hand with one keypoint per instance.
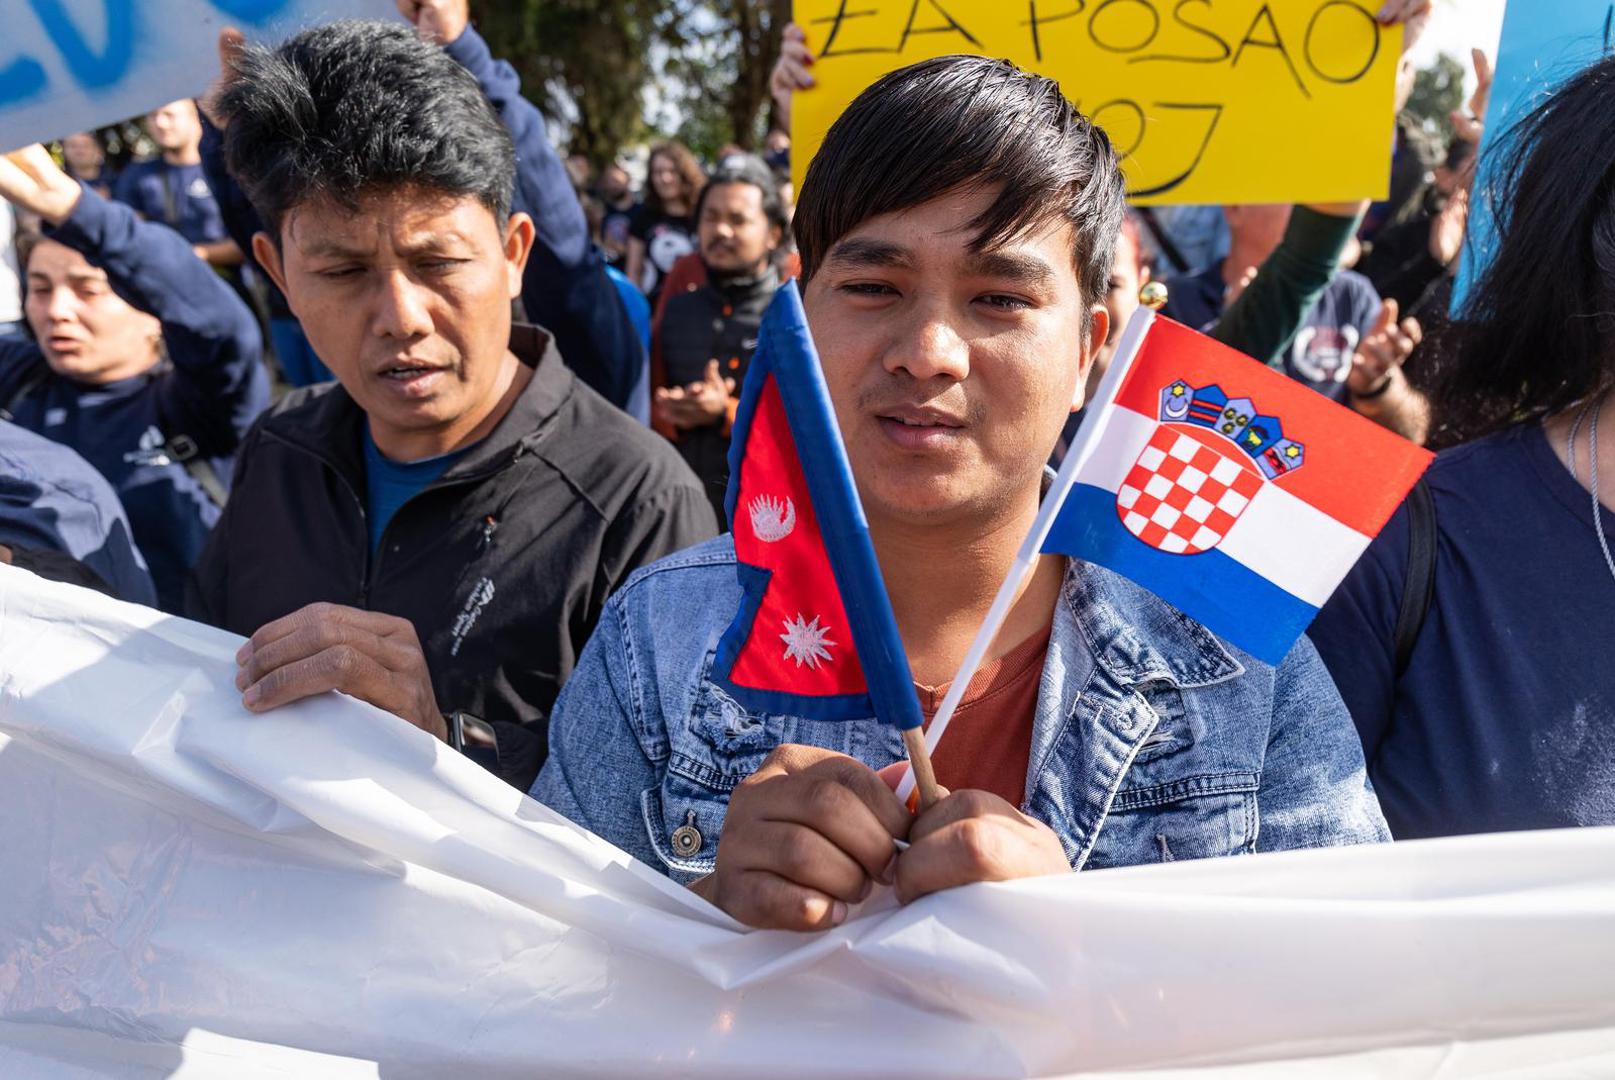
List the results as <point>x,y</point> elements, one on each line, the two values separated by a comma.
<point>442,21</point>
<point>806,835</point>
<point>31,180</point>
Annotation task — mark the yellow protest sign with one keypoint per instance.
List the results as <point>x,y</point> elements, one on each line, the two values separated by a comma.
<point>1209,101</point>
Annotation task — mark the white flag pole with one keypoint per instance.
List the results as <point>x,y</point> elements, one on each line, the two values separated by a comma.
<point>1093,425</point>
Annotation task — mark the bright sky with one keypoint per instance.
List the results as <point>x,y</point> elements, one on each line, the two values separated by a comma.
<point>1458,26</point>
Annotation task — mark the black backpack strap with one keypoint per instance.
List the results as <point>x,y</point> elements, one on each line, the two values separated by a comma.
<point>1421,579</point>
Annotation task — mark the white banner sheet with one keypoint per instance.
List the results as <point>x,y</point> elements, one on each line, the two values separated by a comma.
<point>71,65</point>
<point>189,890</point>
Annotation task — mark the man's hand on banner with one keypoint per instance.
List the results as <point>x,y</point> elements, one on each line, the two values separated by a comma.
<point>322,647</point>
<point>972,836</point>
<point>31,180</point>
<point>806,835</point>
<point>790,72</point>
<point>442,21</point>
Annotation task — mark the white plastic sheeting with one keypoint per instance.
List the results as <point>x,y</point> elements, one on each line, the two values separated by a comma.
<point>188,890</point>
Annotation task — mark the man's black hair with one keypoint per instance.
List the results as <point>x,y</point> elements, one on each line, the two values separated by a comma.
<point>748,170</point>
<point>963,123</point>
<point>354,107</point>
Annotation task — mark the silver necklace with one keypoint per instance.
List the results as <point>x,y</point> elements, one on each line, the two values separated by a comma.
<point>1594,408</point>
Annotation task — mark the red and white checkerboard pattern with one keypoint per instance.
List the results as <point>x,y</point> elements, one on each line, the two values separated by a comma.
<point>1182,496</point>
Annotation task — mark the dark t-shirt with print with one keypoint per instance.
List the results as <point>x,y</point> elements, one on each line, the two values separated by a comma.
<point>667,239</point>
<point>175,195</point>
<point>1321,353</point>
<point>1505,716</point>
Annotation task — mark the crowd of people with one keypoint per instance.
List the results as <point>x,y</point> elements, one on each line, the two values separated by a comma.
<point>359,367</point>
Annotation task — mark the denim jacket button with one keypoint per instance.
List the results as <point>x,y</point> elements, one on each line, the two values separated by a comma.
<point>687,839</point>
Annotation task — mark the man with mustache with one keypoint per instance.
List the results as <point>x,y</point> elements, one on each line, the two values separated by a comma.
<point>706,334</point>
<point>957,230</point>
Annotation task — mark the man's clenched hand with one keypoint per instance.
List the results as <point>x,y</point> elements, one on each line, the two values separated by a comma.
<point>806,835</point>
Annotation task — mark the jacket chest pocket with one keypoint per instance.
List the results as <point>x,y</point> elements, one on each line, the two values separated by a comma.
<point>720,744</point>
<point>1179,800</point>
<point>1204,816</point>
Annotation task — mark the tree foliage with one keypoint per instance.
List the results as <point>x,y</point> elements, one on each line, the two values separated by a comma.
<point>585,63</point>
<point>1437,91</point>
<point>588,64</point>
<point>721,53</point>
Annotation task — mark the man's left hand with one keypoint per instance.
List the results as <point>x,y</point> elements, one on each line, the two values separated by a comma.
<point>364,654</point>
<point>442,21</point>
<point>971,836</point>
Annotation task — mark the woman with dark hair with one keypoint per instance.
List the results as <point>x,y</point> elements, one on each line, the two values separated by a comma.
<point>1475,641</point>
<point>663,227</point>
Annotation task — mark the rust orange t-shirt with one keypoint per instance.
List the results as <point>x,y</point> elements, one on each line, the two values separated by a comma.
<point>989,739</point>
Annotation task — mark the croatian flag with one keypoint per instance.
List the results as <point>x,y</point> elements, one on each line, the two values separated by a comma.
<point>1232,492</point>
<point>815,636</point>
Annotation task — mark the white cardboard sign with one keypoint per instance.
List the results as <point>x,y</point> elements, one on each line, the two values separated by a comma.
<point>71,65</point>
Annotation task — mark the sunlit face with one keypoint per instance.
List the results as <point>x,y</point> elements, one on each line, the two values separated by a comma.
<point>664,178</point>
<point>176,126</point>
<point>951,371</point>
<point>736,235</point>
<point>86,331</point>
<point>83,154</point>
<point>407,300</point>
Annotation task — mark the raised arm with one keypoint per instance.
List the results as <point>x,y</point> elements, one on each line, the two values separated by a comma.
<point>218,385</point>
<point>1264,319</point>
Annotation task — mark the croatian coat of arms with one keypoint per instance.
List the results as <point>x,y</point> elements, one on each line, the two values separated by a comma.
<point>1209,457</point>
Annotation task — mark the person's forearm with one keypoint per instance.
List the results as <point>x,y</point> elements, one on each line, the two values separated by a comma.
<point>219,253</point>
<point>212,339</point>
<point>543,186</point>
<point>1268,314</point>
<point>156,270</point>
<point>1400,408</point>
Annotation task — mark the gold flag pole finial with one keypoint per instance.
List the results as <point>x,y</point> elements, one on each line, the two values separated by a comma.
<point>1153,295</point>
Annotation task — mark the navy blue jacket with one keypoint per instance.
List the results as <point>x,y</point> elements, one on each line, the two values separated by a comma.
<point>565,287</point>
<point>52,500</point>
<point>208,392</point>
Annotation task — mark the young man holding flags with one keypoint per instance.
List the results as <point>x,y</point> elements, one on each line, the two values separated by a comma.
<point>956,232</point>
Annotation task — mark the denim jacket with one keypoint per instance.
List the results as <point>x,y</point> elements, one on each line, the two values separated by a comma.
<point>1152,741</point>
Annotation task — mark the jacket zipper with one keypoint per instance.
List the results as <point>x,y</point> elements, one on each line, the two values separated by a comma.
<point>369,570</point>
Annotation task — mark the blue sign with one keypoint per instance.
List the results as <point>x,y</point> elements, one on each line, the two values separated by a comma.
<point>1545,42</point>
<point>70,65</point>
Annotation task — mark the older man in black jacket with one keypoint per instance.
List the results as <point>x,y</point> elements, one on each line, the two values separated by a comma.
<point>458,477</point>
